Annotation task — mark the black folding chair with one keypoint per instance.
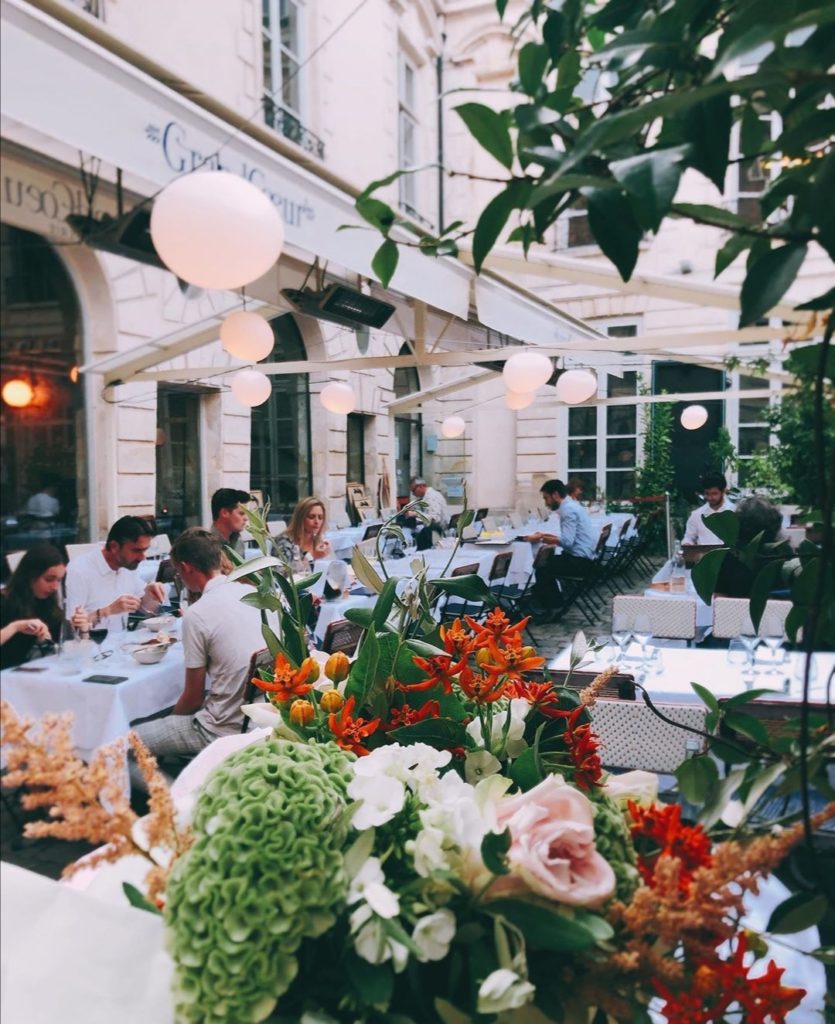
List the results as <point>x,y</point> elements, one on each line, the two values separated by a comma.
<point>461,606</point>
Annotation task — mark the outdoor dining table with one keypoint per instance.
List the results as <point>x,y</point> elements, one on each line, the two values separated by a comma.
<point>102,711</point>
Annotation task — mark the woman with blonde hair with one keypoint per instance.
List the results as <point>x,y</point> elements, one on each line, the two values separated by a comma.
<point>304,539</point>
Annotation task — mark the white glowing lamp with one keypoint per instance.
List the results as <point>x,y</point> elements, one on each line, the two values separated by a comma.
<point>216,230</point>
<point>526,371</point>
<point>338,397</point>
<point>575,386</point>
<point>693,417</point>
<point>17,393</point>
<point>247,336</point>
<point>251,387</point>
<point>453,426</point>
<point>519,399</point>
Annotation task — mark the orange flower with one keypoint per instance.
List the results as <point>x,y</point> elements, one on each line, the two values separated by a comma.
<point>398,717</point>
<point>538,695</point>
<point>456,640</point>
<point>481,688</point>
<point>302,712</point>
<point>662,825</point>
<point>289,682</point>
<point>349,732</point>
<point>496,626</point>
<point>331,700</point>
<point>510,661</point>
<point>440,668</point>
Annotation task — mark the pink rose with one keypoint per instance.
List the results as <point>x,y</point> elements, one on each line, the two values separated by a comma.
<point>552,851</point>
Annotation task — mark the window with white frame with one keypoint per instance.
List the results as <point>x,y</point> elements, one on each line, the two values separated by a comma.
<point>621,437</point>
<point>281,44</point>
<point>753,430</point>
<point>750,178</point>
<point>407,133</point>
<point>571,230</point>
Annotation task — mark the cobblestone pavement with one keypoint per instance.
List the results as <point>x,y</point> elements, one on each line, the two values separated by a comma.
<point>49,856</point>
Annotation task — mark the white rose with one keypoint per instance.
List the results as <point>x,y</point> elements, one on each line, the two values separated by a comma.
<point>504,990</point>
<point>640,786</point>
<point>433,934</point>
<point>382,798</point>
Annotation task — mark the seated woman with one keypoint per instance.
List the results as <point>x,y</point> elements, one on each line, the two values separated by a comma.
<point>304,539</point>
<point>30,612</point>
<point>756,515</point>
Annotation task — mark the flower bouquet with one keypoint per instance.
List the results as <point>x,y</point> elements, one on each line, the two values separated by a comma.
<point>426,834</point>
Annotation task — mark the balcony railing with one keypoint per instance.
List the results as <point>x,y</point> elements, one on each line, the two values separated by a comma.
<point>292,128</point>
<point>92,7</point>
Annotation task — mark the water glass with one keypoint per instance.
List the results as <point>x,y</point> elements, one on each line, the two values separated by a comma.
<point>772,635</point>
<point>751,641</point>
<point>642,631</point>
<point>621,633</point>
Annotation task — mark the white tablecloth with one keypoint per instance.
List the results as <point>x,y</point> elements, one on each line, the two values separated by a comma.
<point>343,541</point>
<point>711,669</point>
<point>102,711</point>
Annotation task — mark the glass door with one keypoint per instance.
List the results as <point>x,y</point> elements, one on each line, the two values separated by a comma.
<point>178,460</point>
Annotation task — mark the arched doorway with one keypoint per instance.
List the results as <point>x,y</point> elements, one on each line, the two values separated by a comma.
<point>408,429</point>
<point>280,434</point>
<point>43,470</point>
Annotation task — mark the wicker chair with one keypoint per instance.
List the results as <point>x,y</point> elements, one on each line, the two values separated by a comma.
<point>731,616</point>
<point>669,619</point>
<point>260,659</point>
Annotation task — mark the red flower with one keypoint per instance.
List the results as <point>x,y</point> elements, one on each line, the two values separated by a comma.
<point>496,626</point>
<point>717,986</point>
<point>581,744</point>
<point>440,668</point>
<point>456,640</point>
<point>405,715</point>
<point>510,661</point>
<point>289,682</point>
<point>481,688</point>
<point>349,732</point>
<point>662,825</point>
<point>538,695</point>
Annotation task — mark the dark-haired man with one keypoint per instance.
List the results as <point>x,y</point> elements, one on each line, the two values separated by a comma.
<point>105,584</point>
<point>229,517</point>
<point>698,531</point>
<point>220,634</point>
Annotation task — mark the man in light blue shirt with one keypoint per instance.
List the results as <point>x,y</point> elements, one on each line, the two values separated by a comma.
<point>577,539</point>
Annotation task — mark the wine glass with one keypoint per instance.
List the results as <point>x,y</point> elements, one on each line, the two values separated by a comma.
<point>621,633</point>
<point>737,654</point>
<point>642,631</point>
<point>750,641</point>
<point>772,635</point>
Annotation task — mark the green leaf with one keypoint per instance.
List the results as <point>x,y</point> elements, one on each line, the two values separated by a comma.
<point>307,581</point>
<point>385,261</point>
<point>364,670</point>
<point>746,697</point>
<point>139,899</point>
<point>255,565</point>
<point>712,214</point>
<point>651,179</point>
<point>533,59</point>
<point>707,697</point>
<point>472,587</point>
<point>768,280</point>
<point>494,847</point>
<point>569,70</point>
<point>544,927</point>
<point>826,955</point>
<point>725,525</point>
<point>614,227</point>
<point>365,572</point>
<point>465,519</point>
<point>490,130</point>
<point>361,616</point>
<point>735,45</point>
<point>748,726</point>
<point>764,582</point>
<point>270,639</point>
<point>825,301</point>
<point>440,733</point>
<point>385,602</point>
<point>697,778</point>
<point>707,126</point>
<point>706,572</point>
<point>802,910</point>
<point>378,214</point>
<point>525,770</point>
<point>494,217</point>
<point>735,245</point>
<point>373,983</point>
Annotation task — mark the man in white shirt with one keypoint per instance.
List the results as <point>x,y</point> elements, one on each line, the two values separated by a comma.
<point>105,583</point>
<point>44,504</point>
<point>698,531</point>
<point>220,634</point>
<point>436,510</point>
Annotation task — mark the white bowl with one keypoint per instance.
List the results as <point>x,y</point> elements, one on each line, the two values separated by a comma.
<point>151,654</point>
<point>159,622</point>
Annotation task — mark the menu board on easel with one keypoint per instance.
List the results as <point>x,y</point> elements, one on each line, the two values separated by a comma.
<point>360,504</point>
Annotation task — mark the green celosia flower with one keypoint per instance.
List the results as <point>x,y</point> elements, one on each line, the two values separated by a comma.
<point>265,872</point>
<point>614,842</point>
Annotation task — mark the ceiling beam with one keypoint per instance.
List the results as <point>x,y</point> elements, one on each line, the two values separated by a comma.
<point>414,400</point>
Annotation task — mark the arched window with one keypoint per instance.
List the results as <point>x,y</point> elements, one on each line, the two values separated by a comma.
<point>43,473</point>
<point>280,449</point>
<point>408,428</point>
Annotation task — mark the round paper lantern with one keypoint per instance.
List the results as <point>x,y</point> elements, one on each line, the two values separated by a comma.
<point>575,386</point>
<point>526,371</point>
<point>338,397</point>
<point>693,417</point>
<point>247,336</point>
<point>216,230</point>
<point>251,387</point>
<point>17,393</point>
<point>453,426</point>
<point>519,399</point>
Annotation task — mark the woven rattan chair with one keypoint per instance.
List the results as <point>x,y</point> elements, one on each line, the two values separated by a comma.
<point>669,619</point>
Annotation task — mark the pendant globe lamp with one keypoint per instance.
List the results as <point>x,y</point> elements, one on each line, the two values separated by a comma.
<point>214,229</point>
<point>519,399</point>
<point>338,397</point>
<point>526,371</point>
<point>576,386</point>
<point>251,387</point>
<point>18,393</point>
<point>693,417</point>
<point>453,426</point>
<point>247,336</point>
